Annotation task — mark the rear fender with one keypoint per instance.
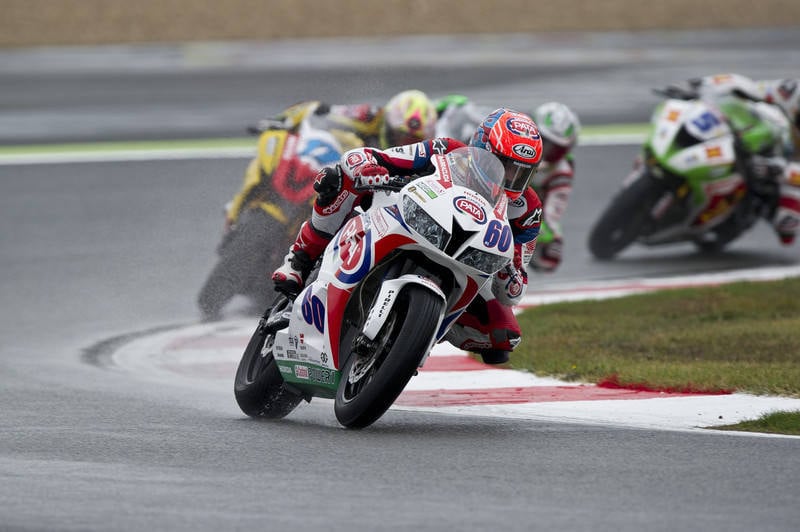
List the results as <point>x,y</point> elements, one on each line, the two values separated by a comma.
<point>387,297</point>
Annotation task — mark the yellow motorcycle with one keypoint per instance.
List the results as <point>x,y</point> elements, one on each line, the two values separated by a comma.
<point>263,218</point>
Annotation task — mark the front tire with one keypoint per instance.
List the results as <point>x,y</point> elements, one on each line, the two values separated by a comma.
<point>259,388</point>
<point>370,384</point>
<point>624,219</point>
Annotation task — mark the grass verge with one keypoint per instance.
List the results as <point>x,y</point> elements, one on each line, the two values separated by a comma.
<point>735,337</point>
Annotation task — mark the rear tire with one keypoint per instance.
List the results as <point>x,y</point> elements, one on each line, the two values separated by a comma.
<point>245,264</point>
<point>624,219</point>
<point>370,385</point>
<point>259,388</point>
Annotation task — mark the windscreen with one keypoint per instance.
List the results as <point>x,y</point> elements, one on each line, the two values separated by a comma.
<point>478,170</point>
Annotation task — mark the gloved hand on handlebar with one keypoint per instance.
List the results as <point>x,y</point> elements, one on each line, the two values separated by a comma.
<point>547,256</point>
<point>509,284</point>
<point>370,174</point>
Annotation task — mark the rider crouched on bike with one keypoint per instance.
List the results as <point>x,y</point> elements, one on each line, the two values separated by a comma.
<point>559,128</point>
<point>776,104</point>
<point>353,126</point>
<point>488,328</point>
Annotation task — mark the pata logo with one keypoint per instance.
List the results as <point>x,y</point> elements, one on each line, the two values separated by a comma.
<point>471,208</point>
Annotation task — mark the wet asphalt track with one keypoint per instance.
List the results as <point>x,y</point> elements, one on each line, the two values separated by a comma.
<point>93,251</point>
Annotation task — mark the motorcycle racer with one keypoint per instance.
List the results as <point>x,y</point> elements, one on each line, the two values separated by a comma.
<point>488,327</point>
<point>409,116</point>
<point>559,128</point>
<point>769,130</point>
<point>278,184</point>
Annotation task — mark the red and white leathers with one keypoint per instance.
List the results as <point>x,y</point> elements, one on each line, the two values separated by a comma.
<point>553,184</point>
<point>489,326</point>
<point>488,323</point>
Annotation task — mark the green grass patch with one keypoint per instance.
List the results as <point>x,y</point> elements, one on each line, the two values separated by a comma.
<point>776,423</point>
<point>736,337</point>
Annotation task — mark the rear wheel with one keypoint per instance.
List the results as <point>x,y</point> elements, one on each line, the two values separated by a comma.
<point>625,218</point>
<point>259,388</point>
<point>245,263</point>
<point>373,378</point>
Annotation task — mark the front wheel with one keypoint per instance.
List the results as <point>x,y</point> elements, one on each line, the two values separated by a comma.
<point>259,388</point>
<point>625,218</point>
<point>372,381</point>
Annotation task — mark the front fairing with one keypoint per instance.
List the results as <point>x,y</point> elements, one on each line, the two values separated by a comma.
<point>691,149</point>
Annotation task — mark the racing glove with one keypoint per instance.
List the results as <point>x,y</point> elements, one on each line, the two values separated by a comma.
<point>509,284</point>
<point>328,184</point>
<point>369,174</point>
<point>547,257</point>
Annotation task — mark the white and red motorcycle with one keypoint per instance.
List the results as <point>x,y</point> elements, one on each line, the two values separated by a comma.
<point>390,284</point>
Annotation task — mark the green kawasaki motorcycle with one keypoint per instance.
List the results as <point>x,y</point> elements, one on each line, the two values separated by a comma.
<point>691,183</point>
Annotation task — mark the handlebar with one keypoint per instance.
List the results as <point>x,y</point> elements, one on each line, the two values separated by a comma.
<point>265,125</point>
<point>396,182</point>
<point>677,93</point>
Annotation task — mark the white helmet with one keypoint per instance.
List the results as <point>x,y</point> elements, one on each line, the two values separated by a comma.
<point>559,128</point>
<point>786,95</point>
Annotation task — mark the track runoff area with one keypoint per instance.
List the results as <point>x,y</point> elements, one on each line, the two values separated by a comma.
<point>205,355</point>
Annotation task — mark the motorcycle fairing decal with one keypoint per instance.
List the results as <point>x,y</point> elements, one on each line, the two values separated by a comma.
<point>356,257</point>
<point>337,301</point>
<point>313,311</point>
<point>394,212</point>
<point>293,178</point>
<point>270,146</point>
<point>501,209</point>
<point>721,200</point>
<point>445,177</point>
<point>469,207</point>
<point>389,243</point>
<point>323,381</point>
<point>322,152</point>
<point>459,307</point>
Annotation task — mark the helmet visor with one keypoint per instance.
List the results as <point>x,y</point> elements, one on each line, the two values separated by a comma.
<point>517,174</point>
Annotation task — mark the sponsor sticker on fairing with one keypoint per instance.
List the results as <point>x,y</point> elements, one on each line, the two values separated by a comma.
<point>425,188</point>
<point>445,177</point>
<point>379,222</point>
<point>415,191</point>
<point>321,375</point>
<point>301,372</point>
<point>471,208</point>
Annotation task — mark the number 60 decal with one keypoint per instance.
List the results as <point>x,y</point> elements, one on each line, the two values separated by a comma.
<point>497,234</point>
<point>314,311</point>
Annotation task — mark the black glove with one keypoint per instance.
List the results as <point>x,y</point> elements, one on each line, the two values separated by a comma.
<point>328,184</point>
<point>547,257</point>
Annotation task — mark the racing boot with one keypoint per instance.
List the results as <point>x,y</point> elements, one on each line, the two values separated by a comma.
<point>290,278</point>
<point>488,329</point>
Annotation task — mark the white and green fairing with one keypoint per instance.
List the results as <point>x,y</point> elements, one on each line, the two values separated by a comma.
<point>693,140</point>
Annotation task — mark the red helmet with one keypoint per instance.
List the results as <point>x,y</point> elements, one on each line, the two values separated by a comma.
<point>514,138</point>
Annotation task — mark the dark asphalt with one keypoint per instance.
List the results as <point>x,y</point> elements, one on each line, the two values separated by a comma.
<point>91,251</point>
